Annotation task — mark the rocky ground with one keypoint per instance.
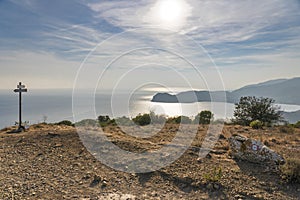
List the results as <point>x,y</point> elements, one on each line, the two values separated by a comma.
<point>50,162</point>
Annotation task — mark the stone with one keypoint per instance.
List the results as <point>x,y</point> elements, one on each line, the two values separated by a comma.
<point>216,186</point>
<point>95,181</point>
<point>222,137</point>
<point>254,151</point>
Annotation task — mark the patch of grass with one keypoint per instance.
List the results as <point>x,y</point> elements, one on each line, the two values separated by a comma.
<point>286,129</point>
<point>291,170</point>
<point>297,125</point>
<point>214,175</point>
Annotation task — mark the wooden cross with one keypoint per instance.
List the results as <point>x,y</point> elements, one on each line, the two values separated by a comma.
<point>20,88</point>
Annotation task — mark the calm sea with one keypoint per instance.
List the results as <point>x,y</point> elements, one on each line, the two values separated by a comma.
<point>56,105</point>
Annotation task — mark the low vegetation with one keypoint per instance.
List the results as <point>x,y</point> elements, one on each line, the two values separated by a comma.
<point>204,117</point>
<point>65,122</point>
<point>256,124</point>
<point>214,175</point>
<point>291,170</point>
<point>297,125</point>
<point>286,129</point>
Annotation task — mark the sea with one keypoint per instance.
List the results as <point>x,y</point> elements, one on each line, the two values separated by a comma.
<point>53,105</point>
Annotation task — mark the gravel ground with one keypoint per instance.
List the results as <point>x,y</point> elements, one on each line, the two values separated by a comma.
<point>50,162</point>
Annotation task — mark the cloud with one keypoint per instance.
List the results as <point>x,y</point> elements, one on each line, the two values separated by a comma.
<point>238,35</point>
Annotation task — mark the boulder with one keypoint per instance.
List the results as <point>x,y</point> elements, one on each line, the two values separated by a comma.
<point>253,151</point>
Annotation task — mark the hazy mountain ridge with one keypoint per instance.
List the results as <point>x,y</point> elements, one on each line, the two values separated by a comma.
<point>291,117</point>
<point>284,91</point>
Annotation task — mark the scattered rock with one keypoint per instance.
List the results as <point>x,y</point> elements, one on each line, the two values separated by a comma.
<point>208,156</point>
<point>95,181</point>
<point>104,183</point>
<point>253,151</point>
<point>222,137</point>
<point>58,145</point>
<point>216,186</point>
<point>52,134</point>
<point>210,186</point>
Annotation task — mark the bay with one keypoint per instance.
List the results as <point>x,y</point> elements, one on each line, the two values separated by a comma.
<point>55,105</point>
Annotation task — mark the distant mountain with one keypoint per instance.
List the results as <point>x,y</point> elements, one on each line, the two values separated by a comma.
<point>292,117</point>
<point>284,91</point>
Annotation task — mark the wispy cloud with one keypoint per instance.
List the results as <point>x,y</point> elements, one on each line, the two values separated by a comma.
<point>237,34</point>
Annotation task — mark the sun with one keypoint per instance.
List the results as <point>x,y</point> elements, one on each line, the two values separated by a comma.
<point>170,10</point>
<point>171,14</point>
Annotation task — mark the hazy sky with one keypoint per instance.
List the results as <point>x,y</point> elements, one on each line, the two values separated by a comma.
<point>129,44</point>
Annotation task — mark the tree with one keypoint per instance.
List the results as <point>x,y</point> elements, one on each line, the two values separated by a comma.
<point>204,117</point>
<point>251,108</point>
<point>142,120</point>
<point>103,119</point>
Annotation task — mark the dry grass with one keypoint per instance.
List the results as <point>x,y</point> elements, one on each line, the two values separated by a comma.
<point>291,170</point>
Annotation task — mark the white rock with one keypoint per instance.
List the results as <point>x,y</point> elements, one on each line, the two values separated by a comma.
<point>253,151</point>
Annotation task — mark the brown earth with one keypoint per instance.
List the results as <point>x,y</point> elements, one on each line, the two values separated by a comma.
<point>50,162</point>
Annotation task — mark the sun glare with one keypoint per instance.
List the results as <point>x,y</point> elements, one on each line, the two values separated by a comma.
<point>169,13</point>
<point>170,10</point>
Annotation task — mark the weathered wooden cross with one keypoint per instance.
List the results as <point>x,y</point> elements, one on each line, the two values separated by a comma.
<point>20,88</point>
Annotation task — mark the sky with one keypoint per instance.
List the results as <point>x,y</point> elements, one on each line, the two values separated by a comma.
<point>109,44</point>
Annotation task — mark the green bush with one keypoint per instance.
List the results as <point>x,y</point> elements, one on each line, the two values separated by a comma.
<point>65,122</point>
<point>297,125</point>
<point>214,176</point>
<point>291,170</point>
<point>179,120</point>
<point>256,124</point>
<point>142,120</point>
<point>204,117</point>
<point>105,120</point>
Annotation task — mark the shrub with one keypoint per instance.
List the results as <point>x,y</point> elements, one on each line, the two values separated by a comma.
<point>214,176</point>
<point>291,170</point>
<point>256,124</point>
<point>204,117</point>
<point>102,118</point>
<point>252,108</point>
<point>179,120</point>
<point>105,120</point>
<point>142,120</point>
<point>297,125</point>
<point>173,120</point>
<point>65,122</point>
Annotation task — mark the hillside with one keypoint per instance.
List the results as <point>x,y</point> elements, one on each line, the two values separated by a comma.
<point>284,91</point>
<point>292,117</point>
<point>50,162</point>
